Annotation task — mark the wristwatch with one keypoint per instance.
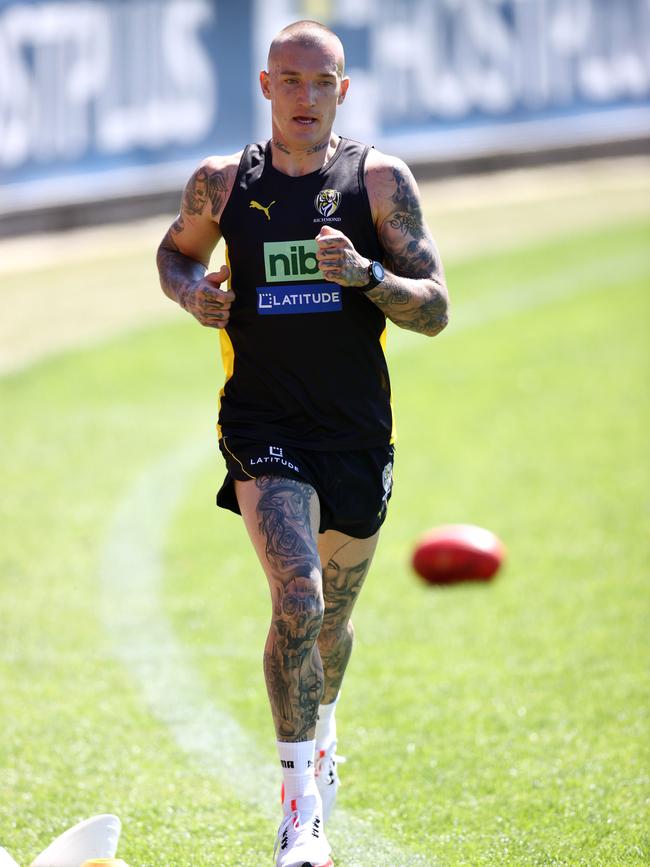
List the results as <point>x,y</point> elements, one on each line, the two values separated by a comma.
<point>376,274</point>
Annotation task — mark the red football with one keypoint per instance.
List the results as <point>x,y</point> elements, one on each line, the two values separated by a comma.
<point>458,552</point>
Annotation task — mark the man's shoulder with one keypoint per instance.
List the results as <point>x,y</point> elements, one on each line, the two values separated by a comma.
<point>384,174</point>
<point>377,161</point>
<point>210,185</point>
<point>220,164</point>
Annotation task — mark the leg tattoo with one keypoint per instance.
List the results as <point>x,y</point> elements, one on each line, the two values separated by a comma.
<point>342,584</point>
<point>292,664</point>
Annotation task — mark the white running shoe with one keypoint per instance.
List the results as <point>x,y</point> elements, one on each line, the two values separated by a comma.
<point>327,778</point>
<point>302,844</point>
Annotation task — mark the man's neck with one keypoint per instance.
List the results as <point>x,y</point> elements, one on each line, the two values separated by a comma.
<point>302,162</point>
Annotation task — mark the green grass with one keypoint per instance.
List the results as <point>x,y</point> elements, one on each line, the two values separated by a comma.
<point>483,725</point>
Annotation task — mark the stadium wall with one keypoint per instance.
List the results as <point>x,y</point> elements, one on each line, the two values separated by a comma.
<point>110,104</point>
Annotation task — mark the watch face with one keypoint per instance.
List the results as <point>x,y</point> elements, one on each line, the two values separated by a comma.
<point>377,271</point>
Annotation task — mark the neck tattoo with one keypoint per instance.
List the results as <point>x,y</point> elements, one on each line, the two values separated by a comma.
<point>281,146</point>
<point>316,148</point>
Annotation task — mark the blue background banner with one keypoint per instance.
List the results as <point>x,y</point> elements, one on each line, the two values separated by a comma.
<point>107,84</point>
<point>107,97</point>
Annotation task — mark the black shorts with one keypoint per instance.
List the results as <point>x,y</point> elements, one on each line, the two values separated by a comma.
<point>353,487</point>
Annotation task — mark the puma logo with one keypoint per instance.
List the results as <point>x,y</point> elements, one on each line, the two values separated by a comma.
<point>259,207</point>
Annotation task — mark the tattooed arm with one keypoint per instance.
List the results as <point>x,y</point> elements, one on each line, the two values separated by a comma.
<point>413,294</point>
<point>184,253</point>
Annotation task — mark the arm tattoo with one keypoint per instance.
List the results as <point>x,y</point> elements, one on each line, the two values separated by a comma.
<point>391,293</point>
<point>403,234</point>
<point>414,259</point>
<point>178,225</point>
<point>178,273</point>
<point>429,318</point>
<point>407,206</point>
<point>404,223</point>
<point>196,192</point>
<point>413,294</point>
<point>217,191</point>
<point>205,186</point>
<point>168,241</point>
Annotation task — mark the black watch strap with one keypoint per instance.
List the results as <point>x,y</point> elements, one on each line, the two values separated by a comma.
<point>376,274</point>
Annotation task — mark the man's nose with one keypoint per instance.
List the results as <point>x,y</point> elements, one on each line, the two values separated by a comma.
<point>307,94</point>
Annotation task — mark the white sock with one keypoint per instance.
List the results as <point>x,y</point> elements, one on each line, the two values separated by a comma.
<point>297,761</point>
<point>326,725</point>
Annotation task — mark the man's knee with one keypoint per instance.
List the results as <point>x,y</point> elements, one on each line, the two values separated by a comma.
<point>333,634</point>
<point>299,609</point>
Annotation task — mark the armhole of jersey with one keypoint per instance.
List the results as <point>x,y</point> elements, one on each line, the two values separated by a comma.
<point>362,184</point>
<point>243,158</point>
<point>362,167</point>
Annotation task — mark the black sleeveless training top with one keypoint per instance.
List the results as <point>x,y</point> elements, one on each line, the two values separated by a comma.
<point>304,358</point>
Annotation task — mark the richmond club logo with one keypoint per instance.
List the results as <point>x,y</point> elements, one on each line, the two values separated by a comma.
<point>327,201</point>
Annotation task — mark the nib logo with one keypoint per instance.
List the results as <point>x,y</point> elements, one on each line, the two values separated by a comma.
<point>286,764</point>
<point>288,261</point>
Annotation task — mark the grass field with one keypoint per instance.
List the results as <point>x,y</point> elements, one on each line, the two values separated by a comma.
<point>483,725</point>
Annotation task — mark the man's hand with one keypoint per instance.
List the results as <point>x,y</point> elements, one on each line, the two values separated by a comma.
<point>338,260</point>
<point>207,301</point>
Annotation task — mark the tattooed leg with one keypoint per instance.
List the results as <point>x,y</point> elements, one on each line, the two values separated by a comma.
<point>346,563</point>
<point>280,516</point>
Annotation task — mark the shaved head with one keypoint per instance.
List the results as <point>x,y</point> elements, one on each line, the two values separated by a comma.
<point>309,34</point>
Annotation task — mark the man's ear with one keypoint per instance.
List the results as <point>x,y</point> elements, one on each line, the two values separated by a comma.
<point>265,84</point>
<point>345,83</point>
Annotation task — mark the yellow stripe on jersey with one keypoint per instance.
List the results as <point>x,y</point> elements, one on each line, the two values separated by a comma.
<point>227,353</point>
<point>393,433</point>
<point>228,359</point>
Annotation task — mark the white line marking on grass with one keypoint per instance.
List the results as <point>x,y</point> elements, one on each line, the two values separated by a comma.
<point>131,572</point>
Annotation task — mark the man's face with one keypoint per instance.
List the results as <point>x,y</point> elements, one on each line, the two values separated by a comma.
<point>305,87</point>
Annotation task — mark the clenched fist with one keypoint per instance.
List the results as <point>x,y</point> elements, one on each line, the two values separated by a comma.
<point>207,301</point>
<point>338,260</point>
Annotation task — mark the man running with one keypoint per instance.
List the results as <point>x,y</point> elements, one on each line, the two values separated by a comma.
<point>325,240</point>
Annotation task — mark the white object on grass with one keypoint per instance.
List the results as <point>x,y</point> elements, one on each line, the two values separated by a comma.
<point>96,837</point>
<point>6,860</point>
